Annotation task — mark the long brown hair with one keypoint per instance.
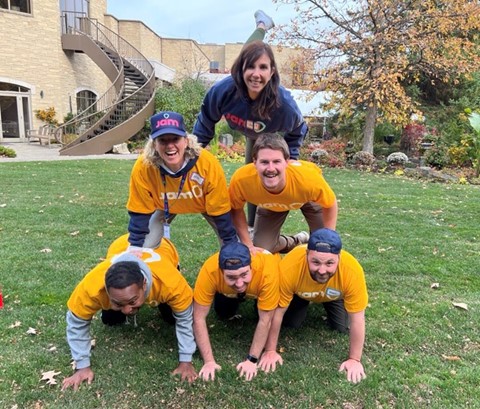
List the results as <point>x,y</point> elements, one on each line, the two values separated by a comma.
<point>269,99</point>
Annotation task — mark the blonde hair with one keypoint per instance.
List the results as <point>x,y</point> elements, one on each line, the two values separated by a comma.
<point>152,158</point>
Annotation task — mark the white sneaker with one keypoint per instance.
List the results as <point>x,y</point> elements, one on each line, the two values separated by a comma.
<point>261,17</point>
<point>250,232</point>
<point>301,238</point>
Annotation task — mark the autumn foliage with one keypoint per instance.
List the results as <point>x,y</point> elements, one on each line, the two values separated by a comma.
<point>368,52</point>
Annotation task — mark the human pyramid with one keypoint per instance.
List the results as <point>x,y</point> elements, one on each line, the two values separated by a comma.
<point>284,274</point>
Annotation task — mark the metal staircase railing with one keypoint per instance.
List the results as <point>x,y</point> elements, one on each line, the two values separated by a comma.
<point>132,90</point>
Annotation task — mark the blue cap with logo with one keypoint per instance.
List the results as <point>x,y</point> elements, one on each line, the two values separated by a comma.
<point>234,255</point>
<point>325,241</point>
<point>167,123</point>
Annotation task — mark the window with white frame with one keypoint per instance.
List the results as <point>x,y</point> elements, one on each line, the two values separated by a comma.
<point>22,6</point>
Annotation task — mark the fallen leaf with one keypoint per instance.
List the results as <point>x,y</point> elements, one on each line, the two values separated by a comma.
<point>52,349</point>
<point>100,234</point>
<point>46,251</point>
<point>15,325</point>
<point>74,233</point>
<point>49,376</point>
<point>451,358</point>
<point>461,305</point>
<point>381,250</point>
<point>31,331</point>
<point>93,343</point>
<point>435,285</point>
<point>3,205</point>
<point>281,350</point>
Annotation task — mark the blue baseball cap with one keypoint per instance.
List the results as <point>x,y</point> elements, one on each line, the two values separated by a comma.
<point>325,241</point>
<point>234,255</point>
<point>167,123</point>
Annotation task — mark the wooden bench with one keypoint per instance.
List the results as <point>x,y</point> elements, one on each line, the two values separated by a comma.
<point>44,135</point>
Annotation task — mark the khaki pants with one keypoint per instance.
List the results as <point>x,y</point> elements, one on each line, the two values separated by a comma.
<point>268,224</point>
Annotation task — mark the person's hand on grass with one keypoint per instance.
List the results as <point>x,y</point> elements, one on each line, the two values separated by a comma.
<point>207,373</point>
<point>247,369</point>
<point>354,370</point>
<point>186,371</point>
<point>81,375</point>
<point>269,360</point>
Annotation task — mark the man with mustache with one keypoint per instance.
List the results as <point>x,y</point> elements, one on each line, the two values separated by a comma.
<point>276,185</point>
<point>322,273</point>
<point>119,286</point>
<point>225,279</point>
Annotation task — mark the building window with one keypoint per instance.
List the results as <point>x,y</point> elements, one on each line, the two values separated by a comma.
<point>86,99</point>
<point>22,6</point>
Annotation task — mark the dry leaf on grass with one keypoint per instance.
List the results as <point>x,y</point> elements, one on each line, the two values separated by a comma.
<point>46,250</point>
<point>49,376</point>
<point>3,205</point>
<point>451,358</point>
<point>100,234</point>
<point>461,305</point>
<point>381,250</point>
<point>31,331</point>
<point>75,233</point>
<point>15,324</point>
<point>435,285</point>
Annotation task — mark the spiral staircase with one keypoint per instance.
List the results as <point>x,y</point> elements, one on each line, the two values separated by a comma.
<point>121,111</point>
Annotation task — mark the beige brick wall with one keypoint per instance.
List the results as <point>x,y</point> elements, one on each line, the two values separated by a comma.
<point>185,56</point>
<point>31,52</point>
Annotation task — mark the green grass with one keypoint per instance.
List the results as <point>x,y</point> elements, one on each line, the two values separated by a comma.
<point>407,234</point>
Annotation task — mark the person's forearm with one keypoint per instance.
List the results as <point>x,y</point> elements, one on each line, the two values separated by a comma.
<point>184,332</point>
<point>357,338</point>
<point>203,340</point>
<point>241,226</point>
<point>79,340</point>
<point>329,216</point>
<point>274,333</point>
<point>261,333</point>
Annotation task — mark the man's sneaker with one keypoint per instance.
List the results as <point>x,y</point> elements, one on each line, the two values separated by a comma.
<point>261,17</point>
<point>301,238</point>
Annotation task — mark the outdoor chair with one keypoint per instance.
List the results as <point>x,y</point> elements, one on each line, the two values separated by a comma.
<point>44,135</point>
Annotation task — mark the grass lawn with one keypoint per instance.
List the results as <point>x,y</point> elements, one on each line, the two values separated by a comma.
<point>58,218</point>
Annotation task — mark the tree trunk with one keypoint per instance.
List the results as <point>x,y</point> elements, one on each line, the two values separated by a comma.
<point>369,129</point>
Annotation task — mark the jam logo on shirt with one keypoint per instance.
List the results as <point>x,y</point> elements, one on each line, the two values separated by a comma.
<point>255,126</point>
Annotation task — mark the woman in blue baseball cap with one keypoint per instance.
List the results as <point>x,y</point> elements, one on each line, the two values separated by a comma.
<point>175,175</point>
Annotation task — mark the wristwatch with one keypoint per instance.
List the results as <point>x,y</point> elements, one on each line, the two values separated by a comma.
<point>252,359</point>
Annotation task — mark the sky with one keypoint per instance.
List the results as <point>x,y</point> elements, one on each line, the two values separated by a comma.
<point>206,21</point>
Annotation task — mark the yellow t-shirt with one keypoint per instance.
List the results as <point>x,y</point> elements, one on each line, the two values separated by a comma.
<point>263,287</point>
<point>204,190</point>
<point>168,285</point>
<point>348,283</point>
<point>304,183</point>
